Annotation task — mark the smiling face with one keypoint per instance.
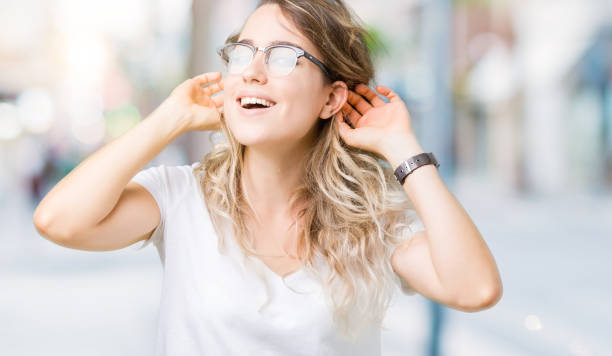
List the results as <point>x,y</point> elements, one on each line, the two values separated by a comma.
<point>297,100</point>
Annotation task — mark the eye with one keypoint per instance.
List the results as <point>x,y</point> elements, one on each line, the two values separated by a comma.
<point>282,57</point>
<point>239,55</point>
<point>239,59</point>
<point>282,61</point>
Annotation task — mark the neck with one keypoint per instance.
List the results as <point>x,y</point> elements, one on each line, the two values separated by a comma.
<point>270,176</point>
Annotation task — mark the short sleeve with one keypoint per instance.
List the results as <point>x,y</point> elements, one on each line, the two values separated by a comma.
<point>155,180</point>
<point>415,225</point>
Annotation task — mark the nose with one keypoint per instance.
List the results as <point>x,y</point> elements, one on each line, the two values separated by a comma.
<point>256,71</point>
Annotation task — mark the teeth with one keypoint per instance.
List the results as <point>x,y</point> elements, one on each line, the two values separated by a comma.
<point>251,100</point>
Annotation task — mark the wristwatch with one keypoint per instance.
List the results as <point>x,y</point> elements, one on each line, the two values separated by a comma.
<point>412,163</point>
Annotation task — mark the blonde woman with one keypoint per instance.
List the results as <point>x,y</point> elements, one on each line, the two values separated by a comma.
<point>290,237</point>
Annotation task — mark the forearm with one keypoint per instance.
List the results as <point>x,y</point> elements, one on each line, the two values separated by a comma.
<point>460,256</point>
<point>90,191</point>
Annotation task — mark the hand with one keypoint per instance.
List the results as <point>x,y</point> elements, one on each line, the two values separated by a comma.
<point>376,126</point>
<point>197,109</point>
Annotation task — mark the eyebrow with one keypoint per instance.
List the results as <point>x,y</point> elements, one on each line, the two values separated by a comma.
<point>250,41</point>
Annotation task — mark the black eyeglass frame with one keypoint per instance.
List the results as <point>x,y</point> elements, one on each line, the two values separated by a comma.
<point>298,51</point>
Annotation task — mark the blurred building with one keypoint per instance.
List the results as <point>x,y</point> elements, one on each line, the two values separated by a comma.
<point>530,90</point>
<point>589,89</point>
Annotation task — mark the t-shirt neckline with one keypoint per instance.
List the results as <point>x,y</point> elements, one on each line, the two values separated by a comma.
<point>233,238</point>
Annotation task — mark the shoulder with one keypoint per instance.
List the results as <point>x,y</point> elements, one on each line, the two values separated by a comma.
<point>184,173</point>
<point>179,178</point>
<point>168,180</point>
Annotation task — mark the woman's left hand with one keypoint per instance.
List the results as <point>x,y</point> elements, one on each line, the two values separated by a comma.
<point>377,126</point>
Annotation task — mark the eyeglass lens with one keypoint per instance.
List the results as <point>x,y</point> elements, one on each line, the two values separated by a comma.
<point>280,61</point>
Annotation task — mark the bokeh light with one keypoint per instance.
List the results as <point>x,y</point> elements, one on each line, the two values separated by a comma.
<point>36,110</point>
<point>10,125</point>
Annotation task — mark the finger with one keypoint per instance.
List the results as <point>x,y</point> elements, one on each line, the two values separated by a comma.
<point>350,114</point>
<point>207,77</point>
<point>346,108</point>
<point>213,88</point>
<point>369,94</point>
<point>358,102</point>
<point>343,127</point>
<point>390,94</point>
<point>218,100</point>
<point>347,133</point>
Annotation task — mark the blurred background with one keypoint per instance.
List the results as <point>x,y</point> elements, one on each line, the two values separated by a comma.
<point>513,97</point>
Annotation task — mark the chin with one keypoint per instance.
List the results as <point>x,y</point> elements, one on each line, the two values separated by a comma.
<point>259,138</point>
<point>248,135</point>
<point>263,131</point>
<point>249,139</point>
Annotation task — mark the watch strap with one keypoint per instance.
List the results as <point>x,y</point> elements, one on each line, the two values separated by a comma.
<point>411,164</point>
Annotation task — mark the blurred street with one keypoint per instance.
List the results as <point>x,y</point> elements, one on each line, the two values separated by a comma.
<point>514,98</point>
<point>553,255</point>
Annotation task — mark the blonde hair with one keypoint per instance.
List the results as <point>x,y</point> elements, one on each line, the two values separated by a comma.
<point>355,211</point>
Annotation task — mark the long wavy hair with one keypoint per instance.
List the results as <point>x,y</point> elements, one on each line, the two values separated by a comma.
<point>355,211</point>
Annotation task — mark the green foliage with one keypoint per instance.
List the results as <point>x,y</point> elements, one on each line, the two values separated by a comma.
<point>375,41</point>
<point>121,120</point>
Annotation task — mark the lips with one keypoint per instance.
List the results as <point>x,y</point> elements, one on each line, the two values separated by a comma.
<point>251,102</point>
<point>253,111</point>
<point>254,94</point>
<point>254,102</point>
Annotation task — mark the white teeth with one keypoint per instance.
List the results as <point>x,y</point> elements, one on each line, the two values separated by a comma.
<point>252,100</point>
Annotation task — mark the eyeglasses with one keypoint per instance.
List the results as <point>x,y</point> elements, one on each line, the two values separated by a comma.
<point>279,60</point>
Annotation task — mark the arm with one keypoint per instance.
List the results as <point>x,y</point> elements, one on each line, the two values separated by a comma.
<point>94,201</point>
<point>449,261</point>
<point>90,191</point>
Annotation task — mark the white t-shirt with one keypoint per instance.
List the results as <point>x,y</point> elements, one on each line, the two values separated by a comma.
<point>210,301</point>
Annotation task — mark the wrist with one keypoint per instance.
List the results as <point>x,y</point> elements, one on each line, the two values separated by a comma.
<point>170,118</point>
<point>401,149</point>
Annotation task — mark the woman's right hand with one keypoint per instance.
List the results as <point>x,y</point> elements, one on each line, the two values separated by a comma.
<point>197,109</point>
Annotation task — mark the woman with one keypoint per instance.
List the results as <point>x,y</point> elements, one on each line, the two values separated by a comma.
<point>300,197</point>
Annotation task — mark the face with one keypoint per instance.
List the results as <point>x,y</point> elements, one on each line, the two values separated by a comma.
<point>299,99</point>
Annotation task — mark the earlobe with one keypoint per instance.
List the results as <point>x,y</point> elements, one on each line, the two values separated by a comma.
<point>337,97</point>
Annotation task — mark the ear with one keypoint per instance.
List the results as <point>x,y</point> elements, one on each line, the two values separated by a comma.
<point>336,98</point>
